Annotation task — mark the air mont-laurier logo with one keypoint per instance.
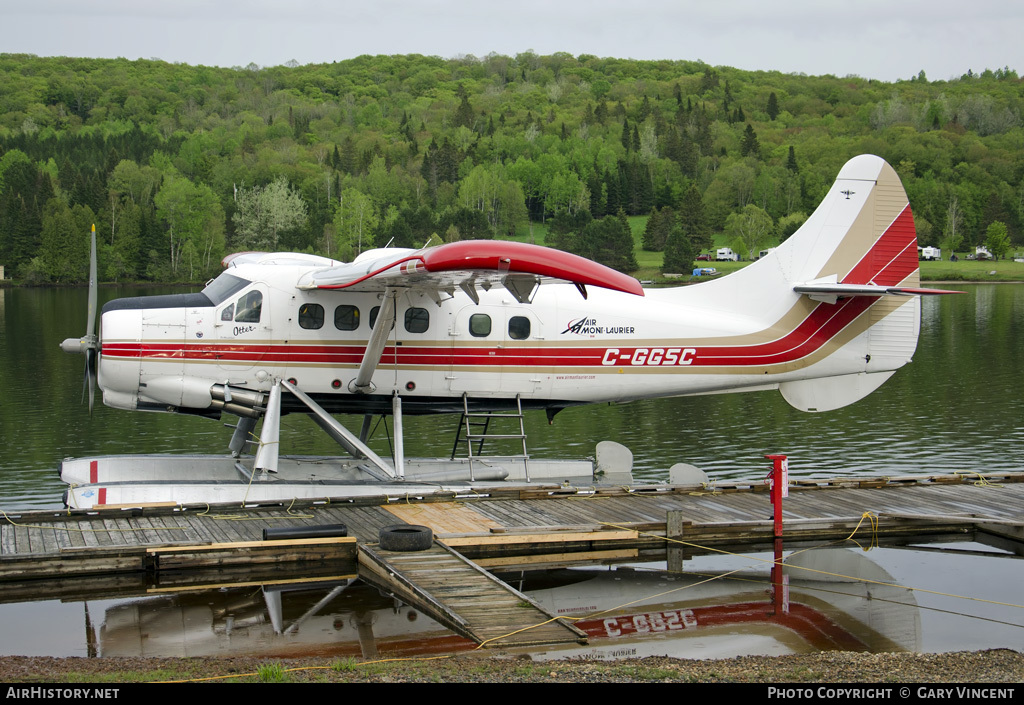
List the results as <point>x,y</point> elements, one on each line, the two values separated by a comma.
<point>590,326</point>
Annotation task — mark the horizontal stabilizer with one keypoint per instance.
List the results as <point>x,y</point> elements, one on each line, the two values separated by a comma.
<point>830,292</point>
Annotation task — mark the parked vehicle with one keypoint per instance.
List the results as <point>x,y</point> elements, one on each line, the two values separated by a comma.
<point>930,254</point>
<point>725,254</point>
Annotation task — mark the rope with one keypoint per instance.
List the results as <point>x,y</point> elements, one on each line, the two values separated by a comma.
<point>80,530</point>
<point>982,481</point>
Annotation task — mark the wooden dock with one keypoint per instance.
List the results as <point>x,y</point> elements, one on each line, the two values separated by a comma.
<point>114,550</point>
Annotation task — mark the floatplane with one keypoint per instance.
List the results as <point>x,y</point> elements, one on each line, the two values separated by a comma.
<point>487,328</point>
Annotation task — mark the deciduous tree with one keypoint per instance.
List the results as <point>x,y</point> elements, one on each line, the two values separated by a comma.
<point>264,213</point>
<point>749,229</point>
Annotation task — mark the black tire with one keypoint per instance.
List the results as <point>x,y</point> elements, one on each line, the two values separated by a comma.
<point>406,537</point>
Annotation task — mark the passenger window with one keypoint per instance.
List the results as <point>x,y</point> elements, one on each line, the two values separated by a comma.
<point>417,320</point>
<point>519,328</point>
<point>311,316</point>
<point>346,317</point>
<point>248,308</point>
<point>373,316</point>
<point>479,325</point>
<point>228,313</point>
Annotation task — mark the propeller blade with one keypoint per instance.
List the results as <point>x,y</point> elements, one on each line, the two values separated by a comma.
<point>90,375</point>
<point>90,326</point>
<point>89,344</point>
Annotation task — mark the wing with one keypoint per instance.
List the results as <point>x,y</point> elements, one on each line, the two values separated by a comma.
<point>469,264</point>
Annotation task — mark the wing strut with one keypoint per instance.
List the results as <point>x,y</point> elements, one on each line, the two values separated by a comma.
<point>375,345</point>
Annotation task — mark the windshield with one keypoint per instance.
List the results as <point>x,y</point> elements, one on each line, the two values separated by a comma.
<point>223,287</point>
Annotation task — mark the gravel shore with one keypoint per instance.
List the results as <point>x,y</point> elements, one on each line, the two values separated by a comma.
<point>995,666</point>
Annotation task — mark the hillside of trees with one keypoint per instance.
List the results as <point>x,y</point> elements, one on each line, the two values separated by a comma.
<point>178,165</point>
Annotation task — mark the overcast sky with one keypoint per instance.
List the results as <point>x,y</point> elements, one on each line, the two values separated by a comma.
<point>883,39</point>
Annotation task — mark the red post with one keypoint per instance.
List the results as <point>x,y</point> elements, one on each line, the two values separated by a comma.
<point>778,481</point>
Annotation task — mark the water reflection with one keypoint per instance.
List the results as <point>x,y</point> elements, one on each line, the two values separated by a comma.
<point>834,599</point>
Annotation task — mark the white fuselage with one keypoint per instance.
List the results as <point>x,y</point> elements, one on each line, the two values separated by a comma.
<point>560,348</point>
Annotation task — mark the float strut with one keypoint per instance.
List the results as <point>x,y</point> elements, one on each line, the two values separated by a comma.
<point>396,412</point>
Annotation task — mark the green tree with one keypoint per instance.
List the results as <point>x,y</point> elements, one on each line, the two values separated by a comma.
<point>610,242</point>
<point>773,106</point>
<point>679,253</point>
<point>564,229</point>
<point>750,147</point>
<point>500,199</point>
<point>789,224</point>
<point>693,220</point>
<point>464,114</point>
<point>263,214</point>
<point>749,229</point>
<point>952,232</point>
<point>355,222</point>
<point>191,214</point>
<point>997,239</point>
<point>791,161</point>
<point>659,224</point>
<point>65,241</point>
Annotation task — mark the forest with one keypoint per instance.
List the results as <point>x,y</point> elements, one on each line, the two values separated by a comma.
<point>178,165</point>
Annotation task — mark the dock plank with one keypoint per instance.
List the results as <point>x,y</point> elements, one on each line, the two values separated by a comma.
<point>444,517</point>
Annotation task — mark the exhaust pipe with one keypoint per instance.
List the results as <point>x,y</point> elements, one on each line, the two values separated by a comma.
<point>237,401</point>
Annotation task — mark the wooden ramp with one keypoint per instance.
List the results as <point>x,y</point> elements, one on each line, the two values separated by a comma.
<point>463,597</point>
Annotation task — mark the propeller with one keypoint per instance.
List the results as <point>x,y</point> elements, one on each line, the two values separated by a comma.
<point>90,343</point>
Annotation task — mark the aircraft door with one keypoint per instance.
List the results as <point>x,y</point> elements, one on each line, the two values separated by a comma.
<point>243,332</point>
<point>485,356</point>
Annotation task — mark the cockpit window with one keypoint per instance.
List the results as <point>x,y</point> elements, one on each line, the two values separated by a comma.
<point>224,287</point>
<point>248,308</point>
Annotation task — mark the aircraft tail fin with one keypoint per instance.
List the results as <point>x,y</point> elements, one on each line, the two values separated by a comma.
<point>850,309</point>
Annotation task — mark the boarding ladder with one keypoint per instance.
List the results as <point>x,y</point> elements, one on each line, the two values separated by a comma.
<point>477,428</point>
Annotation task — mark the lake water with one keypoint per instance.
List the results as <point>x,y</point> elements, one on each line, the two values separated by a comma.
<point>957,408</point>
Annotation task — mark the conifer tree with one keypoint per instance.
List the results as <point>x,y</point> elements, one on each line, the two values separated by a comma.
<point>692,219</point>
<point>679,253</point>
<point>750,146</point>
